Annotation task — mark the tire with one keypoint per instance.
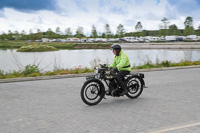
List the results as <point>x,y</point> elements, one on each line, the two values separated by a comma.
<point>92,92</point>
<point>135,87</point>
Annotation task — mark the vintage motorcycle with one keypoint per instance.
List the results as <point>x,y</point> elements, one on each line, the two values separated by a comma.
<point>93,90</point>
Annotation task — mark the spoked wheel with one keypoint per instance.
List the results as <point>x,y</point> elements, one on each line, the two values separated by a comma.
<point>91,92</point>
<point>134,87</point>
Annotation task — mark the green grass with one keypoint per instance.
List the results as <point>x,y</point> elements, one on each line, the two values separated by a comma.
<point>166,63</point>
<point>36,48</point>
<point>78,45</point>
<point>33,70</point>
<point>58,45</point>
<point>166,43</point>
<point>13,44</point>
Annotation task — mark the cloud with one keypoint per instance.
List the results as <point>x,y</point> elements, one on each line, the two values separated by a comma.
<point>118,10</point>
<point>179,10</point>
<point>43,14</point>
<point>2,13</point>
<point>185,6</point>
<point>28,5</point>
<point>81,4</point>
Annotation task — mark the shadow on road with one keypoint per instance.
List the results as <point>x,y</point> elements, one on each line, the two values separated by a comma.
<point>119,102</point>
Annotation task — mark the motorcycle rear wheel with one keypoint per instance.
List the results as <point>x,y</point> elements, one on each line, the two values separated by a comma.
<point>91,92</point>
<point>135,88</point>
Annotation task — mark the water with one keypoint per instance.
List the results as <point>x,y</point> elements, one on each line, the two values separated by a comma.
<point>12,60</point>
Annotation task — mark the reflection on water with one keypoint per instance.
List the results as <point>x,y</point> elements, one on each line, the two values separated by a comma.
<point>12,60</point>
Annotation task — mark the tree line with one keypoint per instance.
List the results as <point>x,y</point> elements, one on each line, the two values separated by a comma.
<point>164,29</point>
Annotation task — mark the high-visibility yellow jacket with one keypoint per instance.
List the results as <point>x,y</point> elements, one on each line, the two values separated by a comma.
<point>121,62</point>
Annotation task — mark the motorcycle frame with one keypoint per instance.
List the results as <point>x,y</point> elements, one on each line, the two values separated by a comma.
<point>101,76</point>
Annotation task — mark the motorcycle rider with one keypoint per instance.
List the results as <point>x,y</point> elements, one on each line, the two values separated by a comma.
<point>121,65</point>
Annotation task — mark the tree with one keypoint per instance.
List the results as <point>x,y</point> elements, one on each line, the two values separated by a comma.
<point>94,32</point>
<point>108,33</point>
<point>68,32</point>
<point>79,32</point>
<point>189,29</point>
<point>30,34</point>
<point>38,35</point>
<point>120,31</point>
<point>23,32</point>
<point>138,26</point>
<point>165,23</point>
<point>16,35</point>
<point>198,31</point>
<point>10,35</point>
<point>188,22</point>
<point>4,36</point>
<point>173,30</point>
<point>163,28</point>
<point>23,35</point>
<point>50,33</point>
<point>103,35</point>
<point>58,32</point>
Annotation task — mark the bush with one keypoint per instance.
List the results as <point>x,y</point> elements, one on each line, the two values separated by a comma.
<point>166,63</point>
<point>17,74</point>
<point>1,74</point>
<point>30,69</point>
<point>36,48</point>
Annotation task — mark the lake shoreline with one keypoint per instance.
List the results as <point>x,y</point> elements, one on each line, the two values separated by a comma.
<point>125,45</point>
<point>168,45</point>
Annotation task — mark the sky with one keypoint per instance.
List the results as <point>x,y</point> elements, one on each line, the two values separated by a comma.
<point>18,15</point>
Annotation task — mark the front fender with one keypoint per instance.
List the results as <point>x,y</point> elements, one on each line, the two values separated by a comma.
<point>102,87</point>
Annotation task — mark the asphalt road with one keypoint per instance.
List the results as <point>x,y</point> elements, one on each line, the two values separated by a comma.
<point>171,104</point>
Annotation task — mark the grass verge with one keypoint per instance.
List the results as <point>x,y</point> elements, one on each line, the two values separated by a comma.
<point>33,70</point>
<point>166,63</point>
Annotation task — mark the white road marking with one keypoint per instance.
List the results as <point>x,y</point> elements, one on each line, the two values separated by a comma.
<point>176,127</point>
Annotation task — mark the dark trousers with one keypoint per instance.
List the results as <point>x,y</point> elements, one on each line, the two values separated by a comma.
<point>119,77</point>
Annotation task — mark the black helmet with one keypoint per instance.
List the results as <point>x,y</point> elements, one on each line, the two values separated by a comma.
<point>117,48</point>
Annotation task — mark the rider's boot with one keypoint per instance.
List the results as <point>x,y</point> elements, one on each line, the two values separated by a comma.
<point>108,92</point>
<point>120,82</point>
<point>123,92</point>
<point>124,89</point>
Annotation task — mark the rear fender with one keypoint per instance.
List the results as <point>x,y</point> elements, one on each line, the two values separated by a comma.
<point>140,76</point>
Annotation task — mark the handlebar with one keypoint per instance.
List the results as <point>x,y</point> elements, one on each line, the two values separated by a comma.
<point>102,65</point>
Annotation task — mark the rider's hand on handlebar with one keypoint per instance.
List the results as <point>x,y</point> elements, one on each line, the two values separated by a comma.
<point>115,70</point>
<point>106,68</point>
<point>110,68</point>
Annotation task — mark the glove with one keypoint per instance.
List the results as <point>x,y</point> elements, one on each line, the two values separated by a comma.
<point>115,70</point>
<point>110,68</point>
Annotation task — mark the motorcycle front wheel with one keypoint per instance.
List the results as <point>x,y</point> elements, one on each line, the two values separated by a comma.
<point>91,92</point>
<point>134,87</point>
